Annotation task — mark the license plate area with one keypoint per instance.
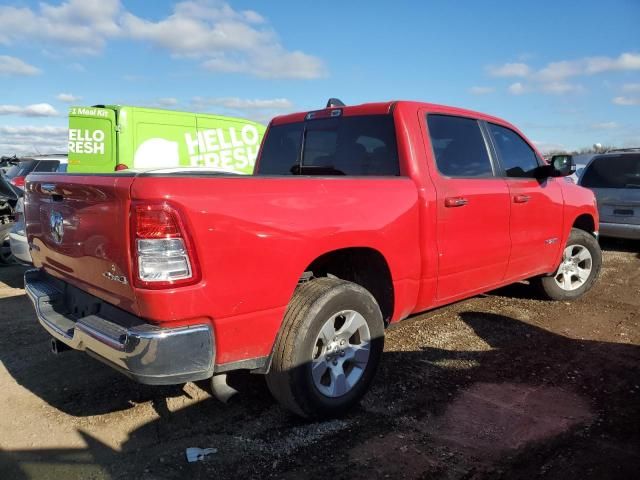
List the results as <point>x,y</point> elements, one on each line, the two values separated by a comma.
<point>79,304</point>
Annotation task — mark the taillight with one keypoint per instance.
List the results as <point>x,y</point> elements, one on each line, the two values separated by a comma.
<point>120,166</point>
<point>164,255</point>
<point>17,182</point>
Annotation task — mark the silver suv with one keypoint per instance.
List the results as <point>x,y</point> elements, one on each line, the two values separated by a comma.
<point>614,177</point>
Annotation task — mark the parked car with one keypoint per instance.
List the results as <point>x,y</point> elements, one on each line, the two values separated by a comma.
<point>614,177</point>
<point>355,218</point>
<point>580,161</point>
<point>6,162</point>
<point>8,198</point>
<point>39,163</point>
<point>18,237</point>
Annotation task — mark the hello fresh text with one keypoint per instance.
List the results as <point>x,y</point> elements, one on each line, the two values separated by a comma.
<point>86,141</point>
<point>224,148</point>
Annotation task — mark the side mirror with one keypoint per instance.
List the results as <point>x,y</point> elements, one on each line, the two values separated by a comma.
<point>562,165</point>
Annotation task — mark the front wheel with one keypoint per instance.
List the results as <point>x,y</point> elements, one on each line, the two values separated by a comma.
<point>328,349</point>
<point>578,269</point>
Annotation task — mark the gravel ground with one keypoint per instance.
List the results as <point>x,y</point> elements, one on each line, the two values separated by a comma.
<point>504,385</point>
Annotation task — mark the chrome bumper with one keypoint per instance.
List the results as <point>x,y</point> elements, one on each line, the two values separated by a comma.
<point>144,352</point>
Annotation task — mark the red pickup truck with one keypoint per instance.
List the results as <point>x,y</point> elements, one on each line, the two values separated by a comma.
<point>355,218</point>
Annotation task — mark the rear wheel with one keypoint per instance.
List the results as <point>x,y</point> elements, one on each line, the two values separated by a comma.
<point>328,349</point>
<point>578,269</point>
<point>6,256</point>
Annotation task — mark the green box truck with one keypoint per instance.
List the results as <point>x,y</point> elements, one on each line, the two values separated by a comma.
<point>104,138</point>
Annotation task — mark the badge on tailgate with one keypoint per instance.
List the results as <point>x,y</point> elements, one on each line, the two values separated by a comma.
<point>56,223</point>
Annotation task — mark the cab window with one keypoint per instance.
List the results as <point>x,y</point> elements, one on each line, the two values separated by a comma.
<point>459,147</point>
<point>517,157</point>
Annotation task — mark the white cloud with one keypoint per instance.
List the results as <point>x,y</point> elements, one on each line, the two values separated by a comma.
<point>68,97</point>
<point>35,110</point>
<point>605,126</point>
<point>222,39</point>
<point>260,110</point>
<point>556,71</point>
<point>509,70</point>
<point>14,66</point>
<point>167,102</point>
<point>631,87</point>
<point>552,78</point>
<point>548,147</point>
<point>517,88</point>
<point>236,103</point>
<point>481,90</point>
<point>80,25</point>
<point>559,88</point>
<point>626,101</point>
<point>225,40</point>
<point>27,139</point>
<point>626,61</point>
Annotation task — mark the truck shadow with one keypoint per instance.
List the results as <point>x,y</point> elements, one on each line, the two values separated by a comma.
<point>620,245</point>
<point>518,398</point>
<point>13,275</point>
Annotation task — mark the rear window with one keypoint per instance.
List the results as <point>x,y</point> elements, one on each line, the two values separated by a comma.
<point>621,171</point>
<point>47,166</point>
<point>22,169</point>
<point>359,145</point>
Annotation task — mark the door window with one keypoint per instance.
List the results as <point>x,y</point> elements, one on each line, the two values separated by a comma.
<point>517,157</point>
<point>459,146</point>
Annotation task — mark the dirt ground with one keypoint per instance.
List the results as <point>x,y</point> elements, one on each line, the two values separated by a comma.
<point>504,385</point>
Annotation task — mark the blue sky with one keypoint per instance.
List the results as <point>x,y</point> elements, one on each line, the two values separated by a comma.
<point>566,73</point>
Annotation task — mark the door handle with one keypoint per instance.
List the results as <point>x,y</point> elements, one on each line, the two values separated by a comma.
<point>455,202</point>
<point>521,198</point>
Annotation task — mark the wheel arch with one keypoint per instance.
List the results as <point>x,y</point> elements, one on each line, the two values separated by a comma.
<point>364,266</point>
<point>585,222</point>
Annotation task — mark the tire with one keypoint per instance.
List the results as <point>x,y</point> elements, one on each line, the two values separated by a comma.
<point>6,256</point>
<point>304,346</point>
<point>583,249</point>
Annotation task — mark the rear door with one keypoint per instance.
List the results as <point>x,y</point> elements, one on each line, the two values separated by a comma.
<point>615,180</point>
<point>536,219</point>
<point>78,230</point>
<point>92,140</point>
<point>472,208</point>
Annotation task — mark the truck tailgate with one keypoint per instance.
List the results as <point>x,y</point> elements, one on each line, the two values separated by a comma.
<point>78,230</point>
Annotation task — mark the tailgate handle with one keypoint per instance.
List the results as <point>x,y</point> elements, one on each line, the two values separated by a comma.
<point>51,189</point>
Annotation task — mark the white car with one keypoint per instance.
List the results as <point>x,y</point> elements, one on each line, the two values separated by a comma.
<point>18,236</point>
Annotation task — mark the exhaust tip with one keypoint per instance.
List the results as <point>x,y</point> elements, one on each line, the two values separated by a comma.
<point>58,347</point>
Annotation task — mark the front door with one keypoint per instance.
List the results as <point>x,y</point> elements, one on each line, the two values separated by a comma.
<point>536,206</point>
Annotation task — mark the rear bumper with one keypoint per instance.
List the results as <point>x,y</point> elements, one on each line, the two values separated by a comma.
<point>143,352</point>
<point>620,230</point>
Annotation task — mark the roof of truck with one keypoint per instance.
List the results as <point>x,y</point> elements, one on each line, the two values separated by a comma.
<point>381,108</point>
